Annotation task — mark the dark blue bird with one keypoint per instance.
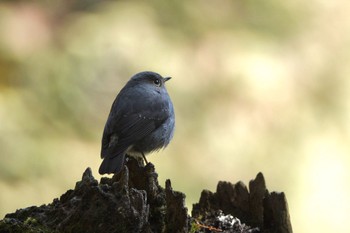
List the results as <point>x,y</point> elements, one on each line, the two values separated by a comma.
<point>141,120</point>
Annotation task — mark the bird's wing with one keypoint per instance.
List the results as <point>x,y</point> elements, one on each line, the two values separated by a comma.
<point>127,125</point>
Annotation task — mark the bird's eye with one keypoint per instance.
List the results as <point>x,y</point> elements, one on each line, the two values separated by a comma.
<point>157,82</point>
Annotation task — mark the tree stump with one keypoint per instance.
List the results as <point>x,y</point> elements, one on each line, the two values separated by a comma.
<point>133,201</point>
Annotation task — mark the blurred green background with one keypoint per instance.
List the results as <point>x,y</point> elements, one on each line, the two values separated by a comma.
<point>257,86</point>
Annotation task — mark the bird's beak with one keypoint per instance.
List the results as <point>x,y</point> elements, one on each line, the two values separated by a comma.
<point>167,78</point>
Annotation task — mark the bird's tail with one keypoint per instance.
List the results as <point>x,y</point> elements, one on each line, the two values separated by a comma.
<point>112,165</point>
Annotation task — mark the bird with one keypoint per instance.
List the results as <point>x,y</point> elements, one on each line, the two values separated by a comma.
<point>141,120</point>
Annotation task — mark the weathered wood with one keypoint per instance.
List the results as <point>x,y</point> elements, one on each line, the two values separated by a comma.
<point>257,208</point>
<point>133,201</point>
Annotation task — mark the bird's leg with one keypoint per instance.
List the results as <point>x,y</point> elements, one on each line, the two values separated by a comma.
<point>144,157</point>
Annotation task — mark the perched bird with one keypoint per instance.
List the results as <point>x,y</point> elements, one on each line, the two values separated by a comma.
<point>141,120</point>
